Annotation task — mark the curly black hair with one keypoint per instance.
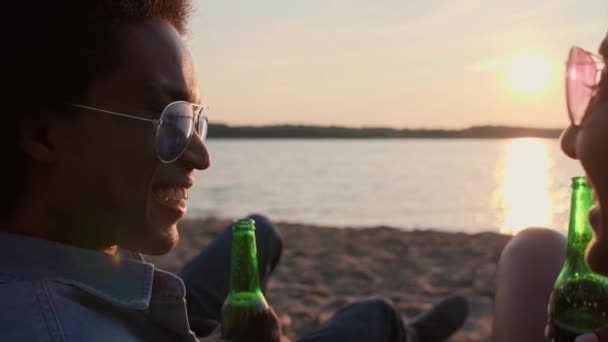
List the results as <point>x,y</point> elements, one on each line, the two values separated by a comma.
<point>60,47</point>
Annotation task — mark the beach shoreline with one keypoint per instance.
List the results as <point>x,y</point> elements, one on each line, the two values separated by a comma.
<point>324,268</point>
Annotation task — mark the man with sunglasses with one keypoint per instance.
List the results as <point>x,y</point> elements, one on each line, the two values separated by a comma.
<point>101,135</point>
<point>531,261</point>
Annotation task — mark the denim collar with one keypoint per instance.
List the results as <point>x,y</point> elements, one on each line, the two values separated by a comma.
<point>124,279</point>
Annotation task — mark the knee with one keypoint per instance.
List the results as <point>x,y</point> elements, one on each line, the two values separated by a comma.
<point>265,230</point>
<point>535,254</point>
<point>380,305</point>
<point>533,244</point>
<point>535,235</point>
<point>262,222</point>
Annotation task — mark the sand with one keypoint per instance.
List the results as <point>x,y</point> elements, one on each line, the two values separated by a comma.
<point>325,268</point>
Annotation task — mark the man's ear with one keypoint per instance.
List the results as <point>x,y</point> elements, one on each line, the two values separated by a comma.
<point>36,138</point>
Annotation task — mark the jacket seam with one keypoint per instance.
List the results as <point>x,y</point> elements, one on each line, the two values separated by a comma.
<point>49,313</point>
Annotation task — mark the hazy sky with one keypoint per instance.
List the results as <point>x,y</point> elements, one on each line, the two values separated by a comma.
<point>390,63</point>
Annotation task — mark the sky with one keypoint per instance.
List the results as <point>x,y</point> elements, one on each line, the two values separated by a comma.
<point>390,63</point>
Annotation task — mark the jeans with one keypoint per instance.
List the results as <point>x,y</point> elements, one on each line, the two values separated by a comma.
<point>207,276</point>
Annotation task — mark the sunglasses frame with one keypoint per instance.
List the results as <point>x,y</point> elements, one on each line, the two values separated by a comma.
<point>199,116</point>
<point>599,65</point>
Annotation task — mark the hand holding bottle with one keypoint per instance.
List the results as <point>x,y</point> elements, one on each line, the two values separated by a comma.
<point>579,302</point>
<point>263,329</point>
<point>246,316</point>
<point>598,335</point>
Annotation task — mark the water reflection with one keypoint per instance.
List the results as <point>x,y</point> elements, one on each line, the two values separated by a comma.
<point>524,182</point>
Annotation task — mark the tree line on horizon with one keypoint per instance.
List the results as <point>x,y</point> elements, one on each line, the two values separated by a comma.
<point>317,132</point>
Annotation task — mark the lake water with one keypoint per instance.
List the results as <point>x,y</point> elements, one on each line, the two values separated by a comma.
<point>450,185</point>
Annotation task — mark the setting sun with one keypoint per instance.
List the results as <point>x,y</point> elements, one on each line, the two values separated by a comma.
<point>529,74</point>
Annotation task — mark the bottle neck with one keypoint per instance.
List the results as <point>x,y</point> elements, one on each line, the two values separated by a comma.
<point>579,230</point>
<point>244,263</point>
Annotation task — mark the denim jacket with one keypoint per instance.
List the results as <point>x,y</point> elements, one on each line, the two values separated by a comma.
<point>55,292</point>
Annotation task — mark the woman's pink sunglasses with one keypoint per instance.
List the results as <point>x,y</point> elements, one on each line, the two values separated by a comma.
<point>583,71</point>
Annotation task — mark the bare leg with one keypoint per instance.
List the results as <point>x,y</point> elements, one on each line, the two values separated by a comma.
<point>527,269</point>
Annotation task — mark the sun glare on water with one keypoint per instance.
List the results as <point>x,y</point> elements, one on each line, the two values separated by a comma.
<point>529,74</point>
<point>524,179</point>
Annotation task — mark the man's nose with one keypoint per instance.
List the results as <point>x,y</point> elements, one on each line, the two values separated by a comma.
<point>196,155</point>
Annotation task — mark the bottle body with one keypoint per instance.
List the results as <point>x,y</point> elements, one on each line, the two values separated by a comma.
<point>245,303</point>
<point>579,305</point>
<point>579,302</point>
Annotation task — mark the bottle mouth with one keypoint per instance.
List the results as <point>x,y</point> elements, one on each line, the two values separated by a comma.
<point>579,181</point>
<point>244,224</point>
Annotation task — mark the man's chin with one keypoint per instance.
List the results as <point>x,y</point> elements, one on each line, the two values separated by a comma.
<point>159,250</point>
<point>163,246</point>
<point>159,243</point>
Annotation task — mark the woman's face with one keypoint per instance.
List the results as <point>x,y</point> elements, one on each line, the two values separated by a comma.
<point>589,144</point>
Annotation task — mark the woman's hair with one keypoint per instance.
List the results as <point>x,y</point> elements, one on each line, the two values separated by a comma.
<point>52,57</point>
<point>603,85</point>
<point>604,53</point>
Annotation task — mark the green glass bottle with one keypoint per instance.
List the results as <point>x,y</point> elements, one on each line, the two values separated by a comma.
<point>245,301</point>
<point>579,303</point>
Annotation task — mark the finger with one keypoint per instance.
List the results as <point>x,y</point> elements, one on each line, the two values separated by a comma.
<point>274,317</point>
<point>599,335</point>
<point>590,337</point>
<point>264,327</point>
<point>217,330</point>
<point>549,331</point>
<point>274,326</point>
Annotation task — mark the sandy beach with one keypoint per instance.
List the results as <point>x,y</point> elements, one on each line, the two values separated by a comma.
<point>325,268</point>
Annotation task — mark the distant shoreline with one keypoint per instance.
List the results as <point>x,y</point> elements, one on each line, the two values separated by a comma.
<point>320,132</point>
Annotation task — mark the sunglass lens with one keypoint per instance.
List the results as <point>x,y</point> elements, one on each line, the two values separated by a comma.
<point>202,127</point>
<point>580,82</point>
<point>175,130</point>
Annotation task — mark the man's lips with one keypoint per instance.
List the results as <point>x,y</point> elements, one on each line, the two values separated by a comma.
<point>171,196</point>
